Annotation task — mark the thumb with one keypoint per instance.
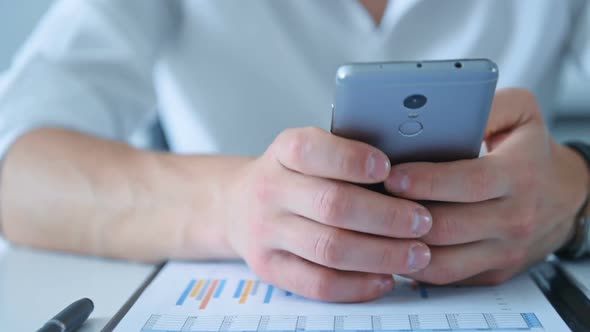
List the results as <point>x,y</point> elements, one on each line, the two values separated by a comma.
<point>511,109</point>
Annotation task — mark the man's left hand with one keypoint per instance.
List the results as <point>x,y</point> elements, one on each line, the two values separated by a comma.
<point>496,215</point>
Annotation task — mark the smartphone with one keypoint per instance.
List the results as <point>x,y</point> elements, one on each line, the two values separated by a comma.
<point>431,111</point>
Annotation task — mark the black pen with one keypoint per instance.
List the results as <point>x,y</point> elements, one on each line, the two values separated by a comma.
<point>71,318</point>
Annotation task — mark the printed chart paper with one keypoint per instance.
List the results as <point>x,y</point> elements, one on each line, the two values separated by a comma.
<point>229,297</point>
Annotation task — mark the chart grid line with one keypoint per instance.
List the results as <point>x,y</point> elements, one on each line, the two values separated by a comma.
<point>365,323</point>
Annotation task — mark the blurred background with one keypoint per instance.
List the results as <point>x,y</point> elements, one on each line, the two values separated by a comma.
<point>18,19</point>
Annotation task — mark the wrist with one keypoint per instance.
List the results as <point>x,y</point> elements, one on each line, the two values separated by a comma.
<point>197,191</point>
<point>577,243</point>
<point>577,184</point>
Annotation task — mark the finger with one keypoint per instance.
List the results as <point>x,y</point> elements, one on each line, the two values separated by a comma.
<point>348,206</point>
<point>459,223</point>
<point>520,259</point>
<point>489,278</point>
<point>451,264</point>
<point>315,152</point>
<point>459,181</point>
<point>310,280</point>
<point>350,251</point>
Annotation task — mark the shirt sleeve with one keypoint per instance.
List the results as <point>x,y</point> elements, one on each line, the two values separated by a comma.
<point>573,98</point>
<point>87,67</point>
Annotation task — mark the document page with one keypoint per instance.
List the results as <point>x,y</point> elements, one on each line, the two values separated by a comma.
<point>229,297</point>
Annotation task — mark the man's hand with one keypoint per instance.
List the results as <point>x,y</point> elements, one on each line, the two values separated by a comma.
<point>301,225</point>
<point>498,214</point>
<point>292,213</point>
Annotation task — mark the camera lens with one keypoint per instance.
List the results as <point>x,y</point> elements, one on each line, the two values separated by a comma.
<point>415,101</point>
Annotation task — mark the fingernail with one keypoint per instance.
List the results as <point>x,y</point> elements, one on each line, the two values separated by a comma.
<point>418,257</point>
<point>422,222</point>
<point>378,166</point>
<point>385,283</point>
<point>398,181</point>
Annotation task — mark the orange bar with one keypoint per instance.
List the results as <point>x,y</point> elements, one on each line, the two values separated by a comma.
<point>197,288</point>
<point>209,294</point>
<point>246,292</point>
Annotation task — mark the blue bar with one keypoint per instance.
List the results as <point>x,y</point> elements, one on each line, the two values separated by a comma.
<point>268,294</point>
<point>423,291</point>
<point>239,290</point>
<point>187,290</point>
<point>203,290</point>
<point>219,289</point>
<point>287,293</point>
<point>255,288</point>
<point>531,320</point>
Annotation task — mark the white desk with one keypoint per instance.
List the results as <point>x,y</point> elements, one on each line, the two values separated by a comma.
<point>35,285</point>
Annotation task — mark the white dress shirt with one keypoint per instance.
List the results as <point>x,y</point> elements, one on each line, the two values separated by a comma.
<point>227,76</point>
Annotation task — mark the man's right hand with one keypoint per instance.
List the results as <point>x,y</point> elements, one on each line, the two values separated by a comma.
<point>293,214</point>
<point>299,222</point>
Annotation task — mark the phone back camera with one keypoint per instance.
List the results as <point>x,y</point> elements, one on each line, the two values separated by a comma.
<point>415,101</point>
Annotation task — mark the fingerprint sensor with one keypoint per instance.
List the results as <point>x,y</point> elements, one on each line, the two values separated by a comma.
<point>411,128</point>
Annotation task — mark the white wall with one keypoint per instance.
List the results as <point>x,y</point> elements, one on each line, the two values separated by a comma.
<point>17,19</point>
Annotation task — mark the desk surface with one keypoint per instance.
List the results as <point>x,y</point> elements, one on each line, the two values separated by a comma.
<point>35,285</point>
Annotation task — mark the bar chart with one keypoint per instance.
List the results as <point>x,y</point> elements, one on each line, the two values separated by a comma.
<point>229,297</point>
<point>367,323</point>
<point>200,292</point>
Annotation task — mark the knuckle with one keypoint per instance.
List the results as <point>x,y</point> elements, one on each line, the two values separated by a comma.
<point>331,203</point>
<point>387,261</point>
<point>345,164</point>
<point>284,137</point>
<point>523,225</point>
<point>319,286</point>
<point>351,160</point>
<point>527,97</point>
<point>390,218</point>
<point>479,183</point>
<point>445,230</point>
<point>296,146</point>
<point>260,264</point>
<point>312,131</point>
<point>327,249</point>
<point>433,182</point>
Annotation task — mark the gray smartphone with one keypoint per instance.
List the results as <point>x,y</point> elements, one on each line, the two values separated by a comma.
<point>416,111</point>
